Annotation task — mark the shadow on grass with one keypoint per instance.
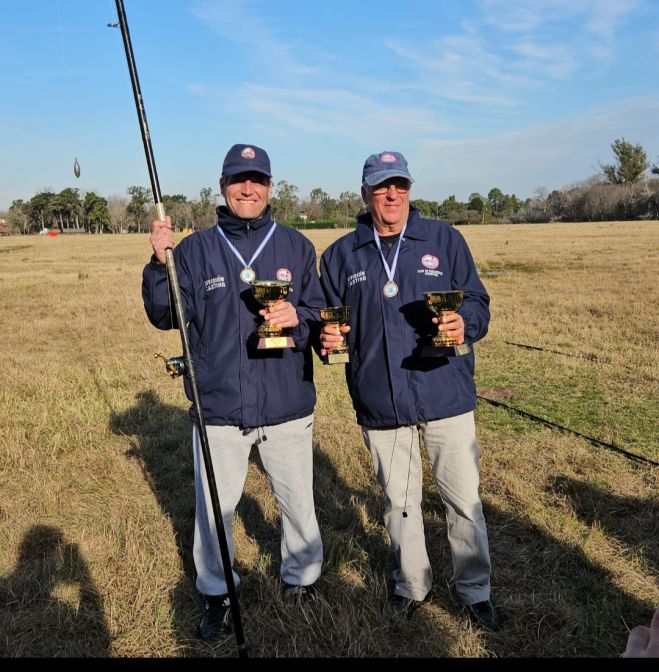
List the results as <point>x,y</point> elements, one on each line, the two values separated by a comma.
<point>556,601</point>
<point>631,520</point>
<point>49,605</point>
<point>346,617</point>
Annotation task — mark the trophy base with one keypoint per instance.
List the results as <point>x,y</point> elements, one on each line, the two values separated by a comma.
<point>445,350</point>
<point>271,342</point>
<point>337,358</point>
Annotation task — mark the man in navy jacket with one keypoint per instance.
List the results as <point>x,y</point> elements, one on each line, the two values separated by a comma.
<point>381,271</point>
<point>251,397</point>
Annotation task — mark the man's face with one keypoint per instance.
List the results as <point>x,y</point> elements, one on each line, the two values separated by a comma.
<point>246,194</point>
<point>389,204</point>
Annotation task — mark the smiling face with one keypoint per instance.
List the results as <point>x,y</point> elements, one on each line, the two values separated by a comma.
<point>389,204</point>
<point>246,194</point>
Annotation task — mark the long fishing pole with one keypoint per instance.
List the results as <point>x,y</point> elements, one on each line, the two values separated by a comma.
<point>189,367</point>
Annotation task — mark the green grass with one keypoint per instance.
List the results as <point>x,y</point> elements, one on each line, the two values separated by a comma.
<point>97,501</point>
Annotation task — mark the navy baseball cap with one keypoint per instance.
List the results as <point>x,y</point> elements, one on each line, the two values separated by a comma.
<point>380,167</point>
<point>246,159</point>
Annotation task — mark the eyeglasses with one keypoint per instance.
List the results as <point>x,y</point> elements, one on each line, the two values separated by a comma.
<point>401,185</point>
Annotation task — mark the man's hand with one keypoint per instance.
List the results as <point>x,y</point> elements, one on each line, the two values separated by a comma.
<point>452,325</point>
<point>283,314</point>
<point>643,642</point>
<point>330,337</point>
<point>162,238</point>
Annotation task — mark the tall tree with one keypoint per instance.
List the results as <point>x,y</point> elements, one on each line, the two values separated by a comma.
<point>285,202</point>
<point>18,213</point>
<point>319,199</point>
<point>97,216</point>
<point>631,163</point>
<point>117,206</point>
<point>476,202</point>
<point>39,209</point>
<point>495,198</point>
<point>203,209</point>
<point>140,197</point>
<point>349,205</point>
<point>178,208</point>
<point>67,207</point>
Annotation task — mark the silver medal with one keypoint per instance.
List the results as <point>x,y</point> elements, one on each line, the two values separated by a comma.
<point>390,289</point>
<point>247,275</point>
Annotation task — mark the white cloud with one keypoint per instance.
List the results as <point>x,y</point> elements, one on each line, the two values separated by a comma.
<point>240,21</point>
<point>552,155</point>
<point>600,17</point>
<point>555,60</point>
<point>331,112</point>
<point>461,68</point>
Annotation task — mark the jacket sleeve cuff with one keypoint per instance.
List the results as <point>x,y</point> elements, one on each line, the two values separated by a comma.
<point>154,263</point>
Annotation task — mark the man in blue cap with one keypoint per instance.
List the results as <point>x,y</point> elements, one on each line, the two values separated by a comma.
<point>252,398</point>
<point>381,271</point>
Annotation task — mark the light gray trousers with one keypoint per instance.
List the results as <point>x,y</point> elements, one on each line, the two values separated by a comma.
<point>286,455</point>
<point>454,454</point>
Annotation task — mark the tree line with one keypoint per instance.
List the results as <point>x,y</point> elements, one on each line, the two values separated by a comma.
<point>623,190</point>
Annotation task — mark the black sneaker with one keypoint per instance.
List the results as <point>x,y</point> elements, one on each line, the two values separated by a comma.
<point>484,615</point>
<point>401,607</point>
<point>291,593</point>
<point>216,617</point>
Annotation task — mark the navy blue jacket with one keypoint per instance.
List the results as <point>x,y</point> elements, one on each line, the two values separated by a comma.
<point>240,385</point>
<point>390,384</point>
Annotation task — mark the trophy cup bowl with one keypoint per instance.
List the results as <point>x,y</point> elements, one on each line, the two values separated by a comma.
<point>336,316</point>
<point>441,304</point>
<point>269,293</point>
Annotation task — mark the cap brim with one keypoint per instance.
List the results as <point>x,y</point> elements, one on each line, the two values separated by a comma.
<point>376,178</point>
<point>236,170</point>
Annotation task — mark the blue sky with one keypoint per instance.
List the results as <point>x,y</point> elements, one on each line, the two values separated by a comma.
<point>517,94</point>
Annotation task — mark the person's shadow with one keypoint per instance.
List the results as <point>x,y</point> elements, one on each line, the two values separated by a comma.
<point>160,440</point>
<point>165,457</point>
<point>578,604</point>
<point>633,521</point>
<point>49,605</point>
<point>348,536</point>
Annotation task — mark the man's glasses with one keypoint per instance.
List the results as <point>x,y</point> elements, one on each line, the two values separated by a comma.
<point>401,185</point>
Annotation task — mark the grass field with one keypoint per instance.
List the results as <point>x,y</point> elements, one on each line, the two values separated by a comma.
<point>97,502</point>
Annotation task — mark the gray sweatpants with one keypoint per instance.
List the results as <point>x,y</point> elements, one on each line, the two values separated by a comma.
<point>454,453</point>
<point>286,455</point>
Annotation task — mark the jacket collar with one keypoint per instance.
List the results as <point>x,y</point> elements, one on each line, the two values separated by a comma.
<point>417,228</point>
<point>235,227</point>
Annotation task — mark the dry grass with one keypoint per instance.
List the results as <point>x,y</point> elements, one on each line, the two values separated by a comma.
<point>96,504</point>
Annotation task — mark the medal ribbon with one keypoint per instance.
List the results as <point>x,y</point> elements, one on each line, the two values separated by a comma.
<point>232,247</point>
<point>390,271</point>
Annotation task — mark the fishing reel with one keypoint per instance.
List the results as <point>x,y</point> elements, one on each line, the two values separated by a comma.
<point>175,365</point>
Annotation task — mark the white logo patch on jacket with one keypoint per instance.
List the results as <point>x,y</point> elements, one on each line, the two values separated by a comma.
<point>430,265</point>
<point>353,279</point>
<point>214,283</point>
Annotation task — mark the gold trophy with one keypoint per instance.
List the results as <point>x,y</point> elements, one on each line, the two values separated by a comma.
<point>336,316</point>
<point>441,304</point>
<point>269,293</point>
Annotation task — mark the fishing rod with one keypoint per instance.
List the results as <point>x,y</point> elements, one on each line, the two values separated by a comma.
<point>184,364</point>
<point>591,439</point>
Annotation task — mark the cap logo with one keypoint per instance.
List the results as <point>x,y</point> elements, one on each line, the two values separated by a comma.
<point>284,274</point>
<point>248,153</point>
<point>386,157</point>
<point>430,261</point>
